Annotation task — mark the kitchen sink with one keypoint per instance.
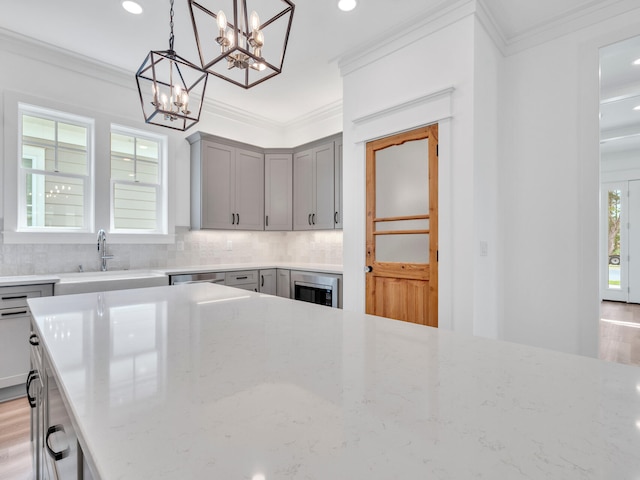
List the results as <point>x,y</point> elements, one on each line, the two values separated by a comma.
<point>86,282</point>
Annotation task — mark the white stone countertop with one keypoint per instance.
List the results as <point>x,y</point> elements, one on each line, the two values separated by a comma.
<point>230,267</point>
<point>90,276</point>
<point>205,381</point>
<point>15,280</point>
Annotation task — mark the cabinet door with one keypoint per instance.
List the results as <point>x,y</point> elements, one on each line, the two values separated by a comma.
<point>217,184</point>
<point>60,440</point>
<point>303,190</point>
<point>284,283</point>
<point>338,186</point>
<point>268,281</point>
<point>278,194</point>
<point>249,194</point>
<point>324,211</point>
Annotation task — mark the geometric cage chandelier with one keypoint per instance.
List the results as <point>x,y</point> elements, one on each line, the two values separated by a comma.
<point>242,41</point>
<point>171,89</point>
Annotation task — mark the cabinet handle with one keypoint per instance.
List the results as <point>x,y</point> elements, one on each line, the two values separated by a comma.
<point>309,219</point>
<point>8,314</point>
<point>233,219</point>
<point>33,374</point>
<point>15,297</point>
<point>241,278</point>
<point>262,278</point>
<point>313,218</point>
<point>33,340</point>
<point>238,217</point>
<point>335,218</point>
<point>56,455</point>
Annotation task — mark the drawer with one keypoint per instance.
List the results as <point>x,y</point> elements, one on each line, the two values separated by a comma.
<point>241,278</point>
<point>16,297</point>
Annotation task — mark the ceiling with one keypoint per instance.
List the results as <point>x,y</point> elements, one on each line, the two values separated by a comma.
<point>104,31</point>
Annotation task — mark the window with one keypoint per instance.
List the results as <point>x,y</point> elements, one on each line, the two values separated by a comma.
<point>138,179</point>
<point>55,165</point>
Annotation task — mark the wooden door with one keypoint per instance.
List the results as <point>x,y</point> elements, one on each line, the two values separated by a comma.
<point>402,226</point>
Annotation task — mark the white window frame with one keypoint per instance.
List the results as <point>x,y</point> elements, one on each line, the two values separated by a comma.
<point>87,178</point>
<point>161,186</point>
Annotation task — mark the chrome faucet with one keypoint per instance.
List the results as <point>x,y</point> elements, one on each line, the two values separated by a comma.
<point>102,246</point>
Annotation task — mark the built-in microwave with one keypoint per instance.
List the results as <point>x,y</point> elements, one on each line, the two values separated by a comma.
<point>321,289</point>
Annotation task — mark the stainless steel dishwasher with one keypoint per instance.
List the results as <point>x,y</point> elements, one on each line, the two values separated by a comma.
<point>204,277</point>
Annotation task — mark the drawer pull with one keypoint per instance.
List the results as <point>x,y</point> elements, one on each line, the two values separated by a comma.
<point>15,297</point>
<point>9,314</point>
<point>242,278</point>
<point>56,455</point>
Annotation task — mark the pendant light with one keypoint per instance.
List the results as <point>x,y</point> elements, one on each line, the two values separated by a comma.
<point>171,88</point>
<point>242,45</point>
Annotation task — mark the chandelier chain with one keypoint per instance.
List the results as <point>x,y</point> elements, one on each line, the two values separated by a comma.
<point>171,37</point>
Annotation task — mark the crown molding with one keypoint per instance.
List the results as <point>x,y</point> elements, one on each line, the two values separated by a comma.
<point>571,21</point>
<point>26,47</point>
<point>491,26</point>
<point>23,46</point>
<point>392,40</point>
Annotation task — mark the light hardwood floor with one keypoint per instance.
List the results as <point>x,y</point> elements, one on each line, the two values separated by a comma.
<point>619,342</point>
<point>620,332</point>
<point>15,448</point>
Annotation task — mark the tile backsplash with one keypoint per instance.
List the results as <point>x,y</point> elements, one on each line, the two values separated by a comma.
<point>191,248</point>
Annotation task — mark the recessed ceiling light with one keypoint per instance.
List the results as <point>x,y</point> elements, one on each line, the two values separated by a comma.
<point>132,7</point>
<point>347,5</point>
<point>636,61</point>
<point>636,108</point>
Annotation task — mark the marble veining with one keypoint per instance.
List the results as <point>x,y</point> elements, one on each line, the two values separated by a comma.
<point>206,381</point>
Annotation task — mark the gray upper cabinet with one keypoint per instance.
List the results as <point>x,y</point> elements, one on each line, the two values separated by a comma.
<point>268,281</point>
<point>227,187</point>
<point>278,191</point>
<point>313,188</point>
<point>338,186</point>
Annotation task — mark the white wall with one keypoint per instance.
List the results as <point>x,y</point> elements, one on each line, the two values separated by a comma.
<point>440,59</point>
<point>487,69</point>
<point>548,188</point>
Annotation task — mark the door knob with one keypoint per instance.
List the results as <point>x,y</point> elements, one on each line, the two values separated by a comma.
<point>368,269</point>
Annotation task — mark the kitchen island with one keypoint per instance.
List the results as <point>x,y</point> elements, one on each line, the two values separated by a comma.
<point>207,381</point>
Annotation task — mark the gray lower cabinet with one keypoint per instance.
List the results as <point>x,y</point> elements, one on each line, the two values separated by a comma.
<point>15,325</point>
<point>278,191</point>
<point>268,281</point>
<point>313,188</point>
<point>54,443</point>
<point>245,280</point>
<point>227,187</point>
<point>283,283</point>
<point>60,440</point>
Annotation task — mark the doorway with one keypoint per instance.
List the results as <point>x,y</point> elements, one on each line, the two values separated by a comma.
<point>620,171</point>
<point>402,226</point>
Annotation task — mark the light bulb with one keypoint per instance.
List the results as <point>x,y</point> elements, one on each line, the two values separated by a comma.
<point>230,38</point>
<point>255,21</point>
<point>163,100</point>
<point>259,38</point>
<point>347,5</point>
<point>178,90</point>
<point>222,20</point>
